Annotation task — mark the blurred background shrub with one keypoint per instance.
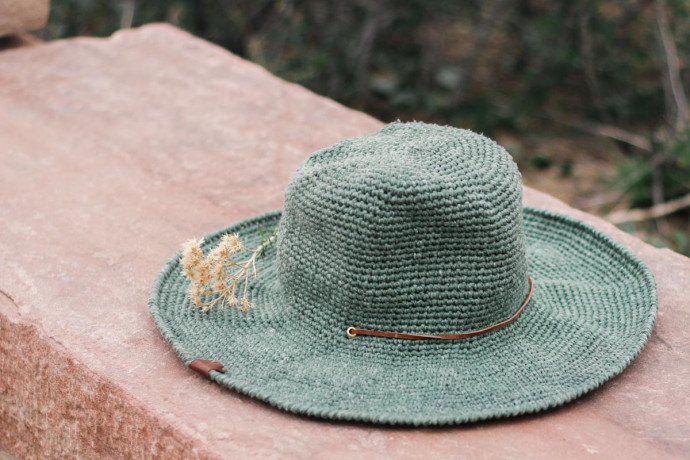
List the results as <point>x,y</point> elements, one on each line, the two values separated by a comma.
<point>589,96</point>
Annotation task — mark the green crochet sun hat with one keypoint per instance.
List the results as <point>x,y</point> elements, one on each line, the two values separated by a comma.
<point>389,244</point>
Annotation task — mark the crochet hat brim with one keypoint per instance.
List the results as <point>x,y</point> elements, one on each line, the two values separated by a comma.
<point>592,311</point>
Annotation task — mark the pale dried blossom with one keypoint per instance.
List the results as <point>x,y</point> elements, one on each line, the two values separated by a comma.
<point>216,278</point>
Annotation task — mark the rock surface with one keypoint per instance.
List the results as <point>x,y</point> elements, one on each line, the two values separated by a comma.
<point>21,15</point>
<point>115,151</point>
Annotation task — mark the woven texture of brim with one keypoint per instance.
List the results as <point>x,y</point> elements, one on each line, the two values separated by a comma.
<point>592,311</point>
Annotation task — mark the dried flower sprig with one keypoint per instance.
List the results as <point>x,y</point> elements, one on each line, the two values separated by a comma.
<point>218,275</point>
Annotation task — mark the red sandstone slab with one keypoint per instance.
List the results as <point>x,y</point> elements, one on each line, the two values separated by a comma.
<point>17,16</point>
<point>112,153</point>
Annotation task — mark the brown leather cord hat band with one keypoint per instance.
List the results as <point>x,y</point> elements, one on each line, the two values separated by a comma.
<point>353,331</point>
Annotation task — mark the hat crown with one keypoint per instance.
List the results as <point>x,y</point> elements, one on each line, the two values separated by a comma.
<point>415,228</point>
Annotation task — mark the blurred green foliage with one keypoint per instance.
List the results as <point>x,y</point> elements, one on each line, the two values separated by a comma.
<point>487,65</point>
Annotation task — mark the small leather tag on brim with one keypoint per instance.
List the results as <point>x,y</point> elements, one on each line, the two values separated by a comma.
<point>205,366</point>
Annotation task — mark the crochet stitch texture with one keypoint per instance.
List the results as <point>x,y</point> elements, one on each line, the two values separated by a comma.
<point>417,228</point>
<point>414,230</point>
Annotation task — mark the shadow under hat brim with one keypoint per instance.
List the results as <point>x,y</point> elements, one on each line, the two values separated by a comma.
<point>592,311</point>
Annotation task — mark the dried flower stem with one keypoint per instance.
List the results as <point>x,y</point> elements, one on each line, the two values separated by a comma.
<point>218,274</point>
